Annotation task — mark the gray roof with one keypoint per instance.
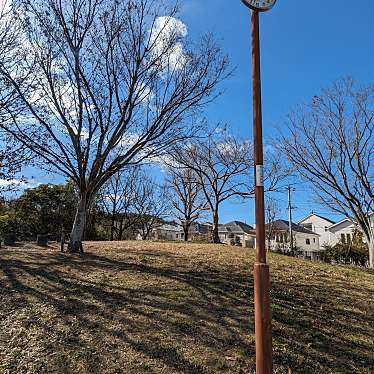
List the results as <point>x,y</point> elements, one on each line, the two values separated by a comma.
<point>236,227</point>
<point>282,225</point>
<point>168,227</point>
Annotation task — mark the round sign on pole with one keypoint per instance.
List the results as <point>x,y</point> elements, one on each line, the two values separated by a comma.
<point>260,5</point>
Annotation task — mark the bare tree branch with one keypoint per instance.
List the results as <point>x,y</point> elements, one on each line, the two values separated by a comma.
<point>221,164</point>
<point>104,85</point>
<point>331,144</point>
<point>186,196</point>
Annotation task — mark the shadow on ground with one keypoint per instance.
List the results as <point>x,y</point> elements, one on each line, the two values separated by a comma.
<point>173,311</point>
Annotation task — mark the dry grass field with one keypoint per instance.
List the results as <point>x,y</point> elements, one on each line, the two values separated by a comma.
<point>135,307</point>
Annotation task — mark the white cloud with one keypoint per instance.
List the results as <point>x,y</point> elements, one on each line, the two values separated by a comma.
<point>4,6</point>
<point>5,183</point>
<point>11,182</point>
<point>148,152</point>
<point>231,148</point>
<point>166,34</point>
<point>145,94</point>
<point>129,140</point>
<point>84,133</point>
<point>164,161</point>
<point>67,104</point>
<point>226,148</point>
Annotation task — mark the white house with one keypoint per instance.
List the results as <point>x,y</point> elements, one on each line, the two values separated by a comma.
<point>174,232</point>
<point>304,239</point>
<point>331,233</point>
<point>237,232</point>
<point>320,225</point>
<point>198,231</point>
<point>342,232</point>
<point>166,232</point>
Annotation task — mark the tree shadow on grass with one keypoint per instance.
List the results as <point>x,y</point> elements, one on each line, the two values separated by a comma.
<point>166,316</point>
<point>320,334</point>
<point>194,306</point>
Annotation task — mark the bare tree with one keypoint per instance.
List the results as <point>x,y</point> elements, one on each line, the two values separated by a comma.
<point>9,43</point>
<point>118,197</point>
<point>106,84</point>
<point>152,206</point>
<point>271,210</point>
<point>221,164</point>
<point>186,197</point>
<point>223,167</point>
<point>331,144</point>
<point>12,154</point>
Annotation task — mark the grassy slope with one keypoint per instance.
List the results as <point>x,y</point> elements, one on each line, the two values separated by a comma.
<point>175,308</point>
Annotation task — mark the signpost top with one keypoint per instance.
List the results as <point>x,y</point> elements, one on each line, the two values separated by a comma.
<point>260,5</point>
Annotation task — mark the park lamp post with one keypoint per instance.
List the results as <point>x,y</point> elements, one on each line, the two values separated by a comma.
<point>261,275</point>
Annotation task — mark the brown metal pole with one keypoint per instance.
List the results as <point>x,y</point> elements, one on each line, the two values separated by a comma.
<point>264,352</point>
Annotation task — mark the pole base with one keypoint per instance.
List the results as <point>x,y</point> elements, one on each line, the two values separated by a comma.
<point>263,330</point>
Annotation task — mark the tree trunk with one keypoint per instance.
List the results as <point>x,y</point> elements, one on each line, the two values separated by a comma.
<point>76,236</point>
<point>215,235</point>
<point>145,233</point>
<point>113,219</point>
<point>120,230</point>
<point>186,231</point>
<point>371,252</point>
<point>112,224</point>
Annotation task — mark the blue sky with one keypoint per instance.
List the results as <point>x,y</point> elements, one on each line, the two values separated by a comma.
<point>306,45</point>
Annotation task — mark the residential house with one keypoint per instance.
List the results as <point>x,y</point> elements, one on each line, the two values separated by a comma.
<point>331,233</point>
<point>237,232</point>
<point>198,231</point>
<point>304,239</point>
<point>168,231</point>
<point>320,225</point>
<point>173,231</point>
<point>342,232</point>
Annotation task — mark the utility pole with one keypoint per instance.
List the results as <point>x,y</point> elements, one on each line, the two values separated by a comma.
<point>261,272</point>
<point>289,188</point>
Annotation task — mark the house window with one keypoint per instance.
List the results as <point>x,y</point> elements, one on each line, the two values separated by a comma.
<point>177,236</point>
<point>314,240</point>
<point>342,238</point>
<point>308,241</point>
<point>348,238</point>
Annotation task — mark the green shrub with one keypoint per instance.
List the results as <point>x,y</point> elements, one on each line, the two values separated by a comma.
<point>354,253</point>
